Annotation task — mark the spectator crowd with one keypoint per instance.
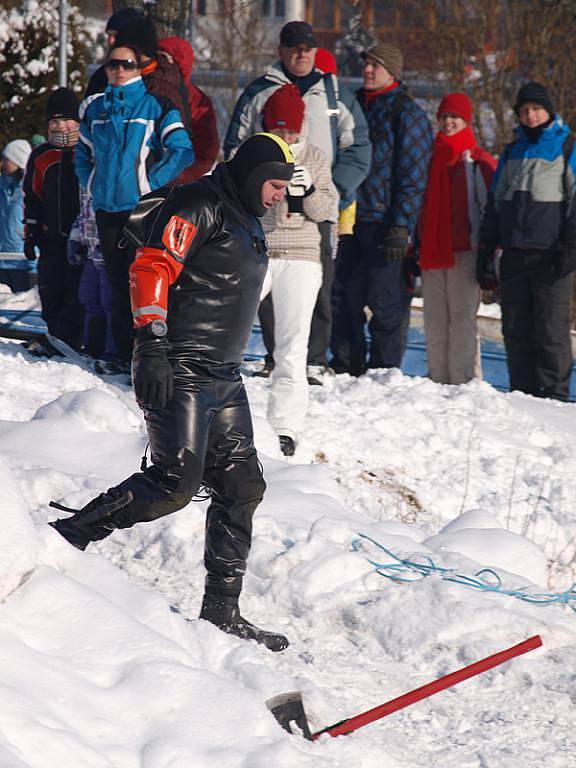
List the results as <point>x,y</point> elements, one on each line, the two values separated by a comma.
<point>377,199</point>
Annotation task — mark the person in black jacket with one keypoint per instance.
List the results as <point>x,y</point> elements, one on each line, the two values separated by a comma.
<point>51,204</point>
<point>98,80</point>
<point>195,286</point>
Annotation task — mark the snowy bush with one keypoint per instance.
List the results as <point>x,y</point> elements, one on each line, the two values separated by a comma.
<point>29,63</point>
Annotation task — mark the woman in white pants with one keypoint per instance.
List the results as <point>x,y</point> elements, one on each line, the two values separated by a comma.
<point>460,175</point>
<point>294,271</point>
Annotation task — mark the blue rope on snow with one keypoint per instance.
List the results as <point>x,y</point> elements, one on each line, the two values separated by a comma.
<point>414,571</point>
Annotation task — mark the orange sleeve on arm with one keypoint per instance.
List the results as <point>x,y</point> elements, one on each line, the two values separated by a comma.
<point>152,273</point>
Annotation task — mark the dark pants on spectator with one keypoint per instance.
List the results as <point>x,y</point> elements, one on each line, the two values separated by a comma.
<point>536,318</point>
<point>95,295</point>
<point>321,327</point>
<point>364,280</point>
<point>58,282</point>
<point>117,261</point>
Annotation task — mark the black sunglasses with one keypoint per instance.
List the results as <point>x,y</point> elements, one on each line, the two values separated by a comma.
<point>127,64</point>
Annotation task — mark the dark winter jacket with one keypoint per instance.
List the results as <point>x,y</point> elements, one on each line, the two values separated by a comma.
<point>131,142</point>
<point>163,78</point>
<point>531,201</point>
<point>98,82</point>
<point>202,116</point>
<point>201,268</point>
<point>51,194</point>
<point>349,155</point>
<point>402,138</point>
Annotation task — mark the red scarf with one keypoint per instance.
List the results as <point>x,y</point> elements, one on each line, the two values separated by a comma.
<point>436,251</point>
<point>369,95</point>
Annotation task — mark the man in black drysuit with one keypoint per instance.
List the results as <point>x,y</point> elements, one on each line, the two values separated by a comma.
<point>195,286</point>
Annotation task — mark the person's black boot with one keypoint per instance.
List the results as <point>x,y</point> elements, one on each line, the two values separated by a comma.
<point>287,445</point>
<point>224,613</point>
<point>93,522</point>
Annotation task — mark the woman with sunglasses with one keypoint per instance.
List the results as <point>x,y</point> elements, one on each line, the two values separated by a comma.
<point>131,143</point>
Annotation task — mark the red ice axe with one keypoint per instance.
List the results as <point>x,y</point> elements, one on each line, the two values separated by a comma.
<point>288,708</point>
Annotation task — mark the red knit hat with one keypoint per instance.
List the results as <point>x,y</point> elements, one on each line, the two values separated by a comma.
<point>456,104</point>
<point>325,60</point>
<point>284,109</point>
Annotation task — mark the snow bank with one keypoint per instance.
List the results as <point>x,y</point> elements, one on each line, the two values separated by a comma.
<point>104,664</point>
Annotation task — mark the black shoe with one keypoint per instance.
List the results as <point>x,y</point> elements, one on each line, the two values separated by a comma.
<point>265,371</point>
<point>287,445</point>
<point>41,347</point>
<point>112,367</point>
<point>225,614</point>
<point>316,373</point>
<point>93,522</point>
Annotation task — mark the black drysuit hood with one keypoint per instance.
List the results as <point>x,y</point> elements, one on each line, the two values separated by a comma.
<point>260,158</point>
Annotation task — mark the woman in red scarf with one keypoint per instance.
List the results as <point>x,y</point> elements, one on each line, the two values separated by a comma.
<point>459,178</point>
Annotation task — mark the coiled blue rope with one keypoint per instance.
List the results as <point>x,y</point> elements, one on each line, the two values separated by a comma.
<point>405,571</point>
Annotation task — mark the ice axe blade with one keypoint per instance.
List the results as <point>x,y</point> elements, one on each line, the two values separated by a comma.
<point>288,709</point>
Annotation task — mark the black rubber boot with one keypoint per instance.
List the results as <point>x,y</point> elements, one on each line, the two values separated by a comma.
<point>224,613</point>
<point>95,521</point>
<point>143,497</point>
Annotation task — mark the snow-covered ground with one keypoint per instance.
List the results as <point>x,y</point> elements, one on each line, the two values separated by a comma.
<point>100,667</point>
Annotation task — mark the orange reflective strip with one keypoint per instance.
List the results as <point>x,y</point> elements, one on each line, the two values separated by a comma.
<point>151,274</point>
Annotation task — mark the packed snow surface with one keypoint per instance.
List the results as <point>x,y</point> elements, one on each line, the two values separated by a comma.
<point>104,664</point>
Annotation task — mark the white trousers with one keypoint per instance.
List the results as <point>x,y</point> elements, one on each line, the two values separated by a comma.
<point>294,286</point>
<point>451,300</point>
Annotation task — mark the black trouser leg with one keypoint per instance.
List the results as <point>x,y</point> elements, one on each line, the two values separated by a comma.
<point>387,298</point>
<point>552,343</point>
<point>266,318</point>
<point>237,486</point>
<point>340,337</point>
<point>353,276</point>
<point>117,261</point>
<point>321,326</point>
<point>211,418</point>
<point>518,331</point>
<point>58,283</point>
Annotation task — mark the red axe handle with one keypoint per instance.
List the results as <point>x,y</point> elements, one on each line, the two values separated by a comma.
<point>453,678</point>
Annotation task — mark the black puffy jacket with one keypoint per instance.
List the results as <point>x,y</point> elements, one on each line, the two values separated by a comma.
<point>51,192</point>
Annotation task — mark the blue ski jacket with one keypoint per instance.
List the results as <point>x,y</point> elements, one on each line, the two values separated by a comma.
<point>131,143</point>
<point>531,201</point>
<point>11,214</point>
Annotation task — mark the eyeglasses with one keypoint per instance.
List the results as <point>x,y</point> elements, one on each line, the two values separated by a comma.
<point>126,64</point>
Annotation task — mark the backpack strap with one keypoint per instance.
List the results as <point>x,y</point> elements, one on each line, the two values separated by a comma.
<point>333,112</point>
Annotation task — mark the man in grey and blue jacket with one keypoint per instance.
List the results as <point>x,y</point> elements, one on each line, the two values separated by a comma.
<point>335,124</point>
<point>531,215</point>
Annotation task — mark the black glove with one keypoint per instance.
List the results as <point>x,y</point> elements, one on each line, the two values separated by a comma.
<point>486,274</point>
<point>394,243</point>
<point>29,250</point>
<point>152,373</point>
<point>565,261</point>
